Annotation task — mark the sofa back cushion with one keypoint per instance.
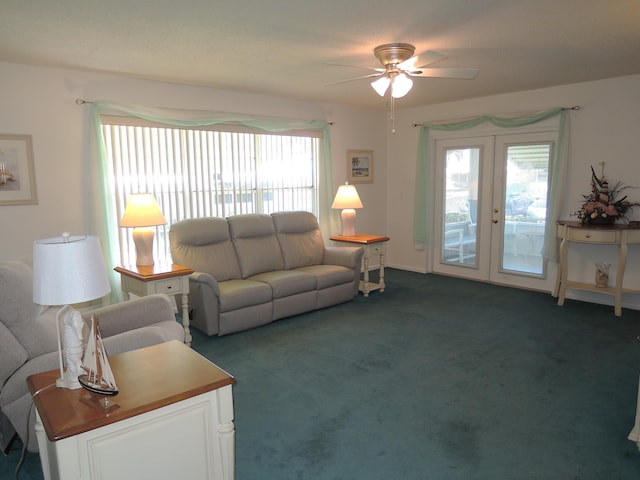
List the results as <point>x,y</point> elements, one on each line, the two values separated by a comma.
<point>34,326</point>
<point>204,245</point>
<point>256,244</point>
<point>300,238</point>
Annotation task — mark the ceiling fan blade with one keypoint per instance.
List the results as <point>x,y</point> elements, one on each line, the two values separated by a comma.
<point>464,73</point>
<point>422,60</point>
<point>371,75</point>
<point>375,69</point>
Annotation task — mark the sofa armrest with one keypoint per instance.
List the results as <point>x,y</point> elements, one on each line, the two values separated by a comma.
<point>350,257</point>
<point>204,279</point>
<point>135,313</point>
<point>204,302</point>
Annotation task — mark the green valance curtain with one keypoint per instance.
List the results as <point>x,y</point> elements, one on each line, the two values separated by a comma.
<point>422,209</point>
<point>104,222</point>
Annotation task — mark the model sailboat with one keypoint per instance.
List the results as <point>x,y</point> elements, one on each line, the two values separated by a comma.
<point>99,378</point>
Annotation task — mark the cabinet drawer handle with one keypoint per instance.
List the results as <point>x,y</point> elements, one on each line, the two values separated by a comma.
<point>168,287</point>
<point>588,235</point>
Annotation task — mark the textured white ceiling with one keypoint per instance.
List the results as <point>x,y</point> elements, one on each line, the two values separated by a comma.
<point>282,47</point>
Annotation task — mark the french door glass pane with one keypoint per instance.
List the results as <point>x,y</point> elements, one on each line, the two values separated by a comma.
<point>525,208</point>
<point>460,209</point>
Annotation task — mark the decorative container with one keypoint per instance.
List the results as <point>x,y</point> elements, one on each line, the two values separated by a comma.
<point>602,274</point>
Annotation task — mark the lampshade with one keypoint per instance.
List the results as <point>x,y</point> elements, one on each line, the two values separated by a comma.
<point>380,85</point>
<point>348,200</point>
<point>346,197</point>
<point>68,269</point>
<point>142,210</point>
<point>401,85</point>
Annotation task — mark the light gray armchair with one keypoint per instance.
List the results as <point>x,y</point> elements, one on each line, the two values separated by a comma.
<point>28,341</point>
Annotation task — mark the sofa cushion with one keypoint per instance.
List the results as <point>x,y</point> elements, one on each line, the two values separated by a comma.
<point>204,245</point>
<point>285,283</point>
<point>300,238</point>
<point>256,244</point>
<point>329,275</point>
<point>236,294</point>
<point>32,325</point>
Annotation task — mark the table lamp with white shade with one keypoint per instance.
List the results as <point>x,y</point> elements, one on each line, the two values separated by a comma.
<point>142,213</point>
<point>348,200</point>
<point>69,270</point>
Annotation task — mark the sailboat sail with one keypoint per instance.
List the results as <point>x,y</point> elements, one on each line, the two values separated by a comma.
<point>99,377</point>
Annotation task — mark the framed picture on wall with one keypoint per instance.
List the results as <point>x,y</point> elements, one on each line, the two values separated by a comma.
<point>17,177</point>
<point>360,166</point>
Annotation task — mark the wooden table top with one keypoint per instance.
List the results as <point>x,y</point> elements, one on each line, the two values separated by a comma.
<point>147,379</point>
<point>616,226</point>
<point>157,271</point>
<point>361,239</point>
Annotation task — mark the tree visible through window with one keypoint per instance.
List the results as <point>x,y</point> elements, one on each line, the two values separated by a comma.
<point>201,172</point>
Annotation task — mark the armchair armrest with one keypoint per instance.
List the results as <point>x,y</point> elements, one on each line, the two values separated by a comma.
<point>12,354</point>
<point>136,313</point>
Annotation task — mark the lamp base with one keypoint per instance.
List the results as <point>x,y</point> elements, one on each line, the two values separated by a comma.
<point>68,382</point>
<point>143,240</point>
<point>348,217</point>
<point>69,326</point>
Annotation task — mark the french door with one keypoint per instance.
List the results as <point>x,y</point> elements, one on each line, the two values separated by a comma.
<point>491,202</point>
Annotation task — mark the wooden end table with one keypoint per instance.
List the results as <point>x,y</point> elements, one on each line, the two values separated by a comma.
<point>168,278</point>
<point>373,245</point>
<point>174,420</point>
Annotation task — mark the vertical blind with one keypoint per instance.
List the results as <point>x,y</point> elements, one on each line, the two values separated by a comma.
<point>202,172</point>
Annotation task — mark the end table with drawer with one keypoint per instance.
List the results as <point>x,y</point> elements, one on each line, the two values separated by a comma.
<point>174,419</point>
<point>168,278</point>
<point>618,235</point>
<point>373,245</point>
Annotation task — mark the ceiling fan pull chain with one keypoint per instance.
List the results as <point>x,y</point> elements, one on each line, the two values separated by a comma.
<point>393,116</point>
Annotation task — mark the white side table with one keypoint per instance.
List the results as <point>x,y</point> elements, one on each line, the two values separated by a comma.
<point>373,245</point>
<point>171,279</point>
<point>175,420</point>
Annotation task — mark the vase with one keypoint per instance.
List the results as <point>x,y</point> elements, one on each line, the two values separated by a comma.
<point>602,274</point>
<point>601,220</point>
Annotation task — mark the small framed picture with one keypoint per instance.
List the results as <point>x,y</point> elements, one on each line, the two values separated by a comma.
<point>360,166</point>
<point>17,177</point>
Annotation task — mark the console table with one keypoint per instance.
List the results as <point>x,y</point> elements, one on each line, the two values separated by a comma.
<point>373,245</point>
<point>620,235</point>
<point>174,420</point>
<point>168,278</point>
<point>634,434</point>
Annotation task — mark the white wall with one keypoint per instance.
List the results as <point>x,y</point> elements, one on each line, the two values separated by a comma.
<point>606,128</point>
<point>41,102</point>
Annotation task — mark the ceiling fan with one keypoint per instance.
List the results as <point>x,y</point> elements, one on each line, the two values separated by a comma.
<point>399,64</point>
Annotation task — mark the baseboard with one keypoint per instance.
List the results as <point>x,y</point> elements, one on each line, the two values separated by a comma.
<point>630,301</point>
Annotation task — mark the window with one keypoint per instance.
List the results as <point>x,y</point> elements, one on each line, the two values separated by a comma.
<point>207,171</point>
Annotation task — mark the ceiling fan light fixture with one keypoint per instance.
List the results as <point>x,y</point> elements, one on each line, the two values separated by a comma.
<point>401,86</point>
<point>380,85</point>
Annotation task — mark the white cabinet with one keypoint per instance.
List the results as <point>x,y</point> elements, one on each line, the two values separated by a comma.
<point>175,420</point>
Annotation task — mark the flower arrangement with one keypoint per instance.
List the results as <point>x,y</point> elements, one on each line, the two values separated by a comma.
<point>603,205</point>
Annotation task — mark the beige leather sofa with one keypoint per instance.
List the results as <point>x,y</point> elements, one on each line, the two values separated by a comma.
<point>28,341</point>
<point>253,269</point>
